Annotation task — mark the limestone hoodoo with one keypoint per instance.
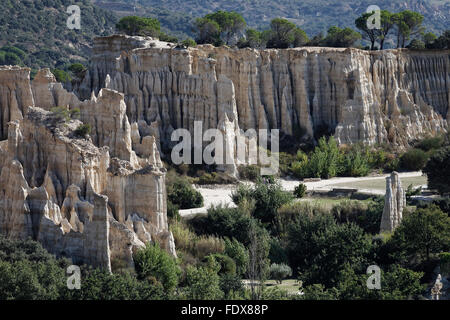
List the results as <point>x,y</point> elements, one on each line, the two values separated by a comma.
<point>394,203</point>
<point>70,191</point>
<point>389,96</point>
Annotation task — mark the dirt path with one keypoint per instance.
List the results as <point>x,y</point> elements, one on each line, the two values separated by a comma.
<point>220,194</point>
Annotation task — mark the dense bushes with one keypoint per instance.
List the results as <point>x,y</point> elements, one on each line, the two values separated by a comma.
<point>250,172</point>
<point>423,233</point>
<point>413,160</point>
<point>300,191</point>
<point>203,283</point>
<point>154,264</point>
<point>27,271</point>
<point>41,276</point>
<point>181,193</point>
<point>139,26</point>
<point>328,160</point>
<point>83,129</point>
<point>100,285</point>
<point>319,248</point>
<point>367,215</point>
<point>268,197</point>
<point>280,271</point>
<point>218,27</point>
<point>438,171</point>
<point>223,222</point>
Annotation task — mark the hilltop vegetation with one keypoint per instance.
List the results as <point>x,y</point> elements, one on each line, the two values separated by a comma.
<point>313,16</point>
<point>34,32</point>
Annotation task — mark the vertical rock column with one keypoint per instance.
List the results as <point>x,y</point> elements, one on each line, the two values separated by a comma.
<point>395,201</point>
<point>96,241</point>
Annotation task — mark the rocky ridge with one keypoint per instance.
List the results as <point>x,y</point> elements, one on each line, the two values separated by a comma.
<point>390,96</point>
<point>70,192</point>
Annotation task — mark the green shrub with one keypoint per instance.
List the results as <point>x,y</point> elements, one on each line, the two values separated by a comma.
<point>152,262</point>
<point>183,236</point>
<point>214,178</point>
<point>444,259</point>
<point>411,191</point>
<point>77,69</point>
<point>189,43</point>
<point>413,159</point>
<point>207,245</point>
<point>277,252</point>
<point>319,292</point>
<point>29,272</point>
<point>268,196</point>
<point>367,215</point>
<point>422,233</point>
<point>250,172</point>
<point>181,193</point>
<point>102,285</point>
<point>223,222</point>
<point>300,191</point>
<point>227,265</point>
<point>290,213</point>
<point>236,251</point>
<point>203,283</point>
<point>318,248</point>
<point>232,286</point>
<point>60,113</point>
<point>83,129</point>
<point>61,75</point>
<point>355,164</point>
<point>139,26</point>
<point>323,162</point>
<point>431,143</point>
<point>280,271</point>
<point>442,203</point>
<point>172,211</point>
<point>438,171</point>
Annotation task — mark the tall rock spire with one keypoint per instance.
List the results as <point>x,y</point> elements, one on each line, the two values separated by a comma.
<point>394,203</point>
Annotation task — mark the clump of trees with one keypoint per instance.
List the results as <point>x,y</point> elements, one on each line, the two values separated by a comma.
<point>285,34</point>
<point>142,26</point>
<point>438,170</point>
<point>279,272</point>
<point>405,26</point>
<point>219,27</point>
<point>139,26</point>
<point>181,194</point>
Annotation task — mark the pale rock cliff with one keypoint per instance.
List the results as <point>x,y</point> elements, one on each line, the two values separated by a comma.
<point>392,96</point>
<point>89,198</point>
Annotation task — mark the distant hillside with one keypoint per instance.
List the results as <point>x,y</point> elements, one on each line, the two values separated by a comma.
<point>38,28</point>
<point>313,16</point>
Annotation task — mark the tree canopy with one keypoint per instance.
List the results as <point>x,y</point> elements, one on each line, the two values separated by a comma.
<point>139,26</point>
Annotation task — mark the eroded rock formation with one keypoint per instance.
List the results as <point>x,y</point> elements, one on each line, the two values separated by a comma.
<point>392,96</point>
<point>91,198</point>
<point>394,203</point>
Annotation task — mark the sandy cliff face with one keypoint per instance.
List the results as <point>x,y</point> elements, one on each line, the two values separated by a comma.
<point>91,198</point>
<point>392,96</point>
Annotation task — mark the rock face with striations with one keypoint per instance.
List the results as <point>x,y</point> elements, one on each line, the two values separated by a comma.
<point>389,96</point>
<point>394,203</point>
<point>72,193</point>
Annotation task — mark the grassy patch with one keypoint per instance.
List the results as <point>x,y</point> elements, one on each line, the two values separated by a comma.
<point>380,184</point>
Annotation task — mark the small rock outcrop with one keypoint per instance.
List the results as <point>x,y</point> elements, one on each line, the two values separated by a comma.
<point>394,203</point>
<point>91,198</point>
